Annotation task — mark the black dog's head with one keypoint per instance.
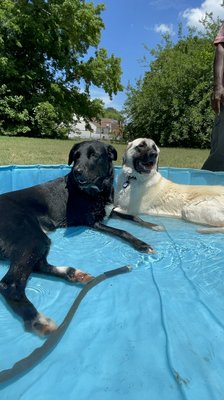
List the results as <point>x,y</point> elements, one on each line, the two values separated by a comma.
<point>141,156</point>
<point>92,168</point>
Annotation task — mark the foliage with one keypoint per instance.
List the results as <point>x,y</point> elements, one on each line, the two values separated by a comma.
<point>112,113</point>
<point>49,58</point>
<point>14,116</point>
<point>171,104</point>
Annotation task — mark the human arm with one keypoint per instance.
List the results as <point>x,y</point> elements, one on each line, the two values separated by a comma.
<point>218,91</point>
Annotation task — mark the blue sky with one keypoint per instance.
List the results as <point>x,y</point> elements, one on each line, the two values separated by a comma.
<point>129,24</point>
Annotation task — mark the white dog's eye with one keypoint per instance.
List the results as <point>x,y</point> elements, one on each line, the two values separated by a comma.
<point>140,146</point>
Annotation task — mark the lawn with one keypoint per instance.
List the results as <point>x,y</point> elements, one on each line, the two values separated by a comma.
<point>14,150</point>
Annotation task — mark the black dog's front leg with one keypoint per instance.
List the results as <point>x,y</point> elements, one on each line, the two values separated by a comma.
<point>12,288</point>
<point>136,243</point>
<point>137,220</point>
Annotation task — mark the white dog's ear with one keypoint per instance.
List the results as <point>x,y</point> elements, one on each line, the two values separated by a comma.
<point>157,166</point>
<point>158,152</point>
<point>124,159</point>
<point>129,145</point>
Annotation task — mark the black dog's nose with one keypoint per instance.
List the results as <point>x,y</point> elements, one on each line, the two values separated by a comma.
<point>79,176</point>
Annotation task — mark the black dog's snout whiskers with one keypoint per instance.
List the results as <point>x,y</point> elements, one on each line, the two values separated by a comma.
<point>79,177</point>
<point>81,180</point>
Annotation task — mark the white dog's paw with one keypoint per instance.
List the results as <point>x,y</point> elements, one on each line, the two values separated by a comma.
<point>211,230</point>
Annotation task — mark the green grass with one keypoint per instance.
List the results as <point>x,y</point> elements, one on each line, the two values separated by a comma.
<point>182,158</point>
<point>14,150</point>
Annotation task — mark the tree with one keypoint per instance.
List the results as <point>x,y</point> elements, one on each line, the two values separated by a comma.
<point>49,58</point>
<point>112,113</point>
<point>171,104</point>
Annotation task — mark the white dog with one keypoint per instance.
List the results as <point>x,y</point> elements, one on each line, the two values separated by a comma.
<point>142,189</point>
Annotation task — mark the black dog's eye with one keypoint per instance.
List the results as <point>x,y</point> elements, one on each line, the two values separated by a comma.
<point>154,147</point>
<point>77,155</point>
<point>91,152</point>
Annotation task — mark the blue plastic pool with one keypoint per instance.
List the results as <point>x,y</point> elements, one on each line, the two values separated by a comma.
<point>155,333</point>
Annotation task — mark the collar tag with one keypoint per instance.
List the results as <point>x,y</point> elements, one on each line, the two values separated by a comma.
<point>126,184</point>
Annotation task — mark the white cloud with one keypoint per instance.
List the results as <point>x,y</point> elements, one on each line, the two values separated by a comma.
<point>163,28</point>
<point>97,93</point>
<point>193,15</point>
<point>116,101</point>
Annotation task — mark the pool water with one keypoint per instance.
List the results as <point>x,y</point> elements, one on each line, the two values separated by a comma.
<point>154,333</point>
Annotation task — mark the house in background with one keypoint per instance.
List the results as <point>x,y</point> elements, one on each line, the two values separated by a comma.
<point>105,129</point>
<point>108,128</point>
<point>78,129</point>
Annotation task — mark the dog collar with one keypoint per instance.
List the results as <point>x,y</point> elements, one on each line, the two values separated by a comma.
<point>127,182</point>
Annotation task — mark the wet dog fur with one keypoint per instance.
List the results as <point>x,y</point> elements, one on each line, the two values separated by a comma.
<point>83,197</point>
<point>142,189</point>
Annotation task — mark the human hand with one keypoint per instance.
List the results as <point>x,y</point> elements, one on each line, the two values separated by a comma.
<point>217,99</point>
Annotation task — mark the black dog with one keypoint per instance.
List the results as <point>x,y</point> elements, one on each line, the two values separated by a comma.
<point>83,197</point>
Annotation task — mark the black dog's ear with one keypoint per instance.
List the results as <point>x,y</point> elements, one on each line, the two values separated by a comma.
<point>112,152</point>
<point>72,153</point>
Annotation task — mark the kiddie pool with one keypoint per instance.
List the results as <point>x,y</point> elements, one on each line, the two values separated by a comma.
<point>154,333</point>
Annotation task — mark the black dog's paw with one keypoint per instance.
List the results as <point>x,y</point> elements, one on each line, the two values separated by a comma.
<point>150,225</point>
<point>41,325</point>
<point>145,248</point>
<point>158,228</point>
<point>76,275</point>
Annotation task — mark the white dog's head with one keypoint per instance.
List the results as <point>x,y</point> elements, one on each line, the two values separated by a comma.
<point>141,157</point>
